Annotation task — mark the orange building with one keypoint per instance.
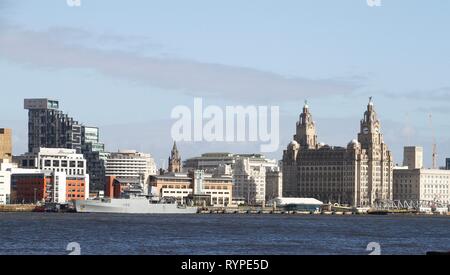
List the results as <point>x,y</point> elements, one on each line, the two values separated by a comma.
<point>31,186</point>
<point>109,186</point>
<point>116,187</point>
<point>75,189</point>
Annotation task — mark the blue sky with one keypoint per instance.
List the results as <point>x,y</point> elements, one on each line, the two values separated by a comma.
<point>123,66</point>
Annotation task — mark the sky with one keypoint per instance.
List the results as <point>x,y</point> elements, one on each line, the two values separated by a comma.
<point>124,65</point>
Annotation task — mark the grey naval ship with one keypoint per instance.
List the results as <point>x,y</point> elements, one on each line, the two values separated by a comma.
<point>133,205</point>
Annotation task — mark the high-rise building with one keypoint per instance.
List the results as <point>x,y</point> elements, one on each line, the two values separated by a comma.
<point>175,160</point>
<point>249,172</point>
<point>132,165</point>
<point>358,175</point>
<point>447,164</point>
<point>94,152</point>
<point>48,127</point>
<point>413,157</point>
<point>5,144</point>
<point>419,184</point>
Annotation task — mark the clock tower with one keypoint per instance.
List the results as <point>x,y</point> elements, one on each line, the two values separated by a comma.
<point>378,164</point>
<point>306,130</point>
<point>370,133</point>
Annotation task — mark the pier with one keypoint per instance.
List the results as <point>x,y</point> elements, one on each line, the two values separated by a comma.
<point>18,208</point>
<point>271,211</point>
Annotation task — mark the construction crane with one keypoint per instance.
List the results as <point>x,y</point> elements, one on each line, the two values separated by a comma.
<point>434,143</point>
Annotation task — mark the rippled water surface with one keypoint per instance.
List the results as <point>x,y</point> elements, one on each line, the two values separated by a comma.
<point>49,233</point>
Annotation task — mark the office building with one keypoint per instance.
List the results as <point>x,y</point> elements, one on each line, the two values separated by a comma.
<point>65,166</point>
<point>130,164</point>
<point>215,190</point>
<point>172,185</point>
<point>218,188</point>
<point>447,164</point>
<point>413,157</point>
<point>5,144</point>
<point>359,175</point>
<point>249,172</point>
<point>419,184</point>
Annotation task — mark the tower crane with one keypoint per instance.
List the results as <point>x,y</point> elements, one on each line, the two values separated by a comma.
<point>434,143</point>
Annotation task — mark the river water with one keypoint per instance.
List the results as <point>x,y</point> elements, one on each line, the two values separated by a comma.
<point>105,234</point>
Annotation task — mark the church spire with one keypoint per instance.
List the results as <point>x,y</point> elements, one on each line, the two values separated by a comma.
<point>174,160</point>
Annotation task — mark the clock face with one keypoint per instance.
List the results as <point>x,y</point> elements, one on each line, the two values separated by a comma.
<point>366,130</point>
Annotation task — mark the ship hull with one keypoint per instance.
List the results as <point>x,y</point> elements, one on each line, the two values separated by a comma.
<point>125,206</point>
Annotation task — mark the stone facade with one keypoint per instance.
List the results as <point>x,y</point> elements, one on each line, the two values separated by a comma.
<point>175,160</point>
<point>5,144</point>
<point>358,175</point>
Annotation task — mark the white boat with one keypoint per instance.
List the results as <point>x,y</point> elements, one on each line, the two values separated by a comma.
<point>132,205</point>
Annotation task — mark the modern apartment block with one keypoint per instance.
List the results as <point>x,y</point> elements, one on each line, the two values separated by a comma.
<point>49,127</point>
<point>5,144</point>
<point>64,165</point>
<point>249,172</point>
<point>419,184</point>
<point>94,152</point>
<point>130,164</point>
<point>359,175</point>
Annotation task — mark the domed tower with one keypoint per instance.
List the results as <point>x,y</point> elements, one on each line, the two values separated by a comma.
<point>174,160</point>
<point>370,133</point>
<point>306,130</point>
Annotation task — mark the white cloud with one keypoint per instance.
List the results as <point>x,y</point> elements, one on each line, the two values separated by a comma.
<point>66,48</point>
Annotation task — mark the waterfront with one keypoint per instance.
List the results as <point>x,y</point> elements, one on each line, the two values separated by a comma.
<point>50,233</point>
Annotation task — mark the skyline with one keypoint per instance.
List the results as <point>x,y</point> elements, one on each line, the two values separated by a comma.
<point>160,56</point>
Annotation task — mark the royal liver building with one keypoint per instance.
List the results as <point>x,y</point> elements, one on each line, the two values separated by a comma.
<point>358,175</point>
